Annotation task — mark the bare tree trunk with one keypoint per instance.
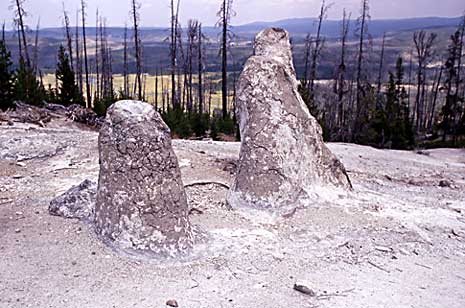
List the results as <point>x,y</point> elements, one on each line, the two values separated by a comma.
<point>86,66</point>
<point>410,82</point>
<point>181,69</point>
<point>135,16</point>
<point>125,63</point>
<point>69,38</point>
<point>200,70</point>
<point>36,49</point>
<point>163,101</point>
<point>362,20</point>
<point>78,58</point>
<point>342,68</point>
<point>20,20</point>
<point>173,52</point>
<point>156,90</point>
<point>380,69</point>
<point>435,96</point>
<point>423,46</point>
<point>225,15</point>
<point>308,46</point>
<point>20,46</point>
<point>317,49</point>
<point>97,92</point>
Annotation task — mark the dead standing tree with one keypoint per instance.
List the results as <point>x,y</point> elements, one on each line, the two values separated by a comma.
<point>225,14</point>
<point>135,15</point>
<point>192,32</point>
<point>361,79</point>
<point>20,14</point>
<point>78,57</point>
<point>380,71</point>
<point>173,51</point>
<point>35,59</point>
<point>97,92</point>
<point>69,37</point>
<point>125,63</point>
<point>86,65</point>
<point>200,69</point>
<point>307,52</point>
<point>424,48</point>
<point>318,46</point>
<point>340,81</point>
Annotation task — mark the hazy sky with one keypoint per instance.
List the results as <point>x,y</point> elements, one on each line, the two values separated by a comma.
<point>156,12</point>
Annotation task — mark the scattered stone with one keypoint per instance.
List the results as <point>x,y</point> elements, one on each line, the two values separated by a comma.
<point>172,303</point>
<point>141,202</point>
<point>83,115</point>
<point>304,289</point>
<point>383,249</point>
<point>17,230</point>
<point>77,202</point>
<point>20,164</point>
<point>445,183</point>
<point>421,152</point>
<point>283,158</point>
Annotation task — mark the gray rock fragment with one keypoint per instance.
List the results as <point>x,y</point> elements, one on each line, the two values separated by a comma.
<point>283,159</point>
<point>141,202</point>
<point>78,202</point>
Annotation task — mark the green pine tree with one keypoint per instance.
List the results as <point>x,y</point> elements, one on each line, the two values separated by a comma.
<point>68,90</point>
<point>391,124</point>
<point>6,78</point>
<point>27,87</point>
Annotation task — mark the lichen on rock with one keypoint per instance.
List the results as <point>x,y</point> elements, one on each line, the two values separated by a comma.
<point>283,159</point>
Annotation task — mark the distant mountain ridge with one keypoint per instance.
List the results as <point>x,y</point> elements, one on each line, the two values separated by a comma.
<point>331,28</point>
<point>298,27</point>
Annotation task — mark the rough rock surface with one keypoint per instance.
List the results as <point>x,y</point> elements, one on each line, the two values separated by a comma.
<point>283,158</point>
<point>141,202</point>
<point>77,202</point>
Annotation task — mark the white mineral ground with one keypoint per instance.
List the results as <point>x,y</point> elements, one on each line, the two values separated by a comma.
<point>398,240</point>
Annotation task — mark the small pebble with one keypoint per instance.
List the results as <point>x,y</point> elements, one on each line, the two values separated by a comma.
<point>172,303</point>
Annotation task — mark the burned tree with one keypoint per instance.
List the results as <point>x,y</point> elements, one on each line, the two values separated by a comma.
<point>69,37</point>
<point>35,59</point>
<point>97,73</point>
<point>360,76</point>
<point>86,65</point>
<point>319,43</point>
<point>192,32</point>
<point>20,14</point>
<point>173,52</point>
<point>340,81</point>
<point>381,67</point>
<point>200,70</point>
<point>137,43</point>
<point>78,69</point>
<point>424,48</point>
<point>225,14</point>
<point>125,64</point>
